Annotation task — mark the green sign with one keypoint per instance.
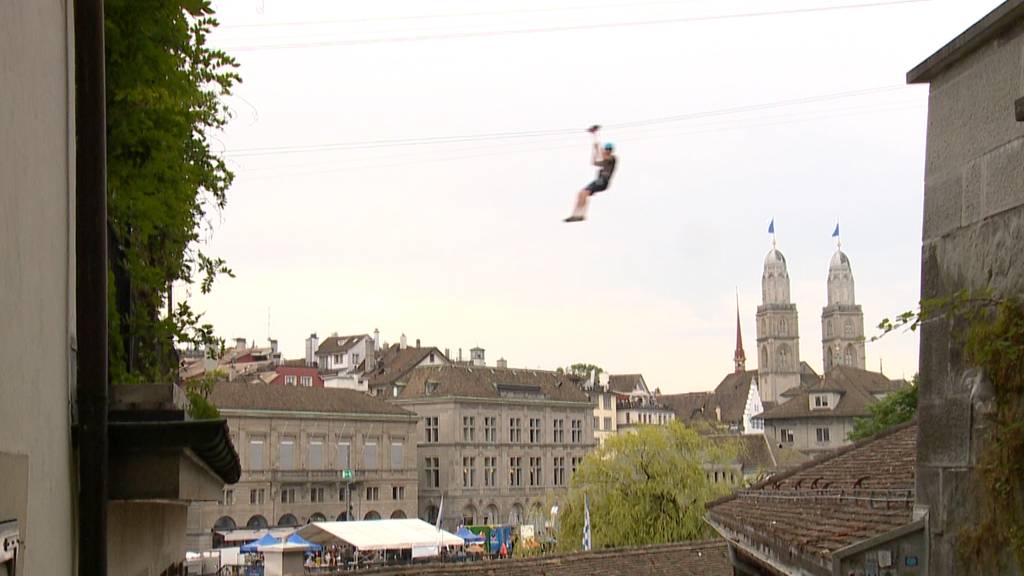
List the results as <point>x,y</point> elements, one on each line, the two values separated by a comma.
<point>347,474</point>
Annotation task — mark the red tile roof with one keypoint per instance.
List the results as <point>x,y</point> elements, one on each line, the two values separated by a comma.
<point>484,382</point>
<point>806,514</point>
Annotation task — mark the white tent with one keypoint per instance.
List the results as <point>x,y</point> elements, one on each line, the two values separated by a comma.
<point>391,534</point>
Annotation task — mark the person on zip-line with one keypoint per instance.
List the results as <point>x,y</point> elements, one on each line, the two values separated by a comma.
<point>604,158</point>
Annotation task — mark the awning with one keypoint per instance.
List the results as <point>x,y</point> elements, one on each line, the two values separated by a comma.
<point>391,534</point>
<point>246,535</point>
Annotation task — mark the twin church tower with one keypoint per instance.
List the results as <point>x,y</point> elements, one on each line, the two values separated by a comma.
<point>778,331</point>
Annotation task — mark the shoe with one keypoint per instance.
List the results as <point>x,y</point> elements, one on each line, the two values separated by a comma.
<point>574,218</point>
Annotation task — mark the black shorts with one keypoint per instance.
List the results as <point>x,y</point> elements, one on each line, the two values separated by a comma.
<point>596,186</point>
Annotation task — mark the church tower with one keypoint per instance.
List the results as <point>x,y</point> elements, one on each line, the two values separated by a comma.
<point>739,357</point>
<point>842,321</point>
<point>778,335</point>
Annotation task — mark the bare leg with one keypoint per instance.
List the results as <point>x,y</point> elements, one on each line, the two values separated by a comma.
<point>580,211</point>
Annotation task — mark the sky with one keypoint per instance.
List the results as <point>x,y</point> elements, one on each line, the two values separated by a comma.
<point>405,166</point>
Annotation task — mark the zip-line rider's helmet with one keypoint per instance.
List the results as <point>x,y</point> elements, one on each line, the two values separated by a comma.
<point>609,146</point>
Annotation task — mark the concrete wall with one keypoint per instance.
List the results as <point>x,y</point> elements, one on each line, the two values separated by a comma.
<point>37,278</point>
<point>972,238</point>
<point>143,538</point>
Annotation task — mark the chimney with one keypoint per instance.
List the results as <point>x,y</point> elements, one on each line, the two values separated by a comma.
<point>376,339</point>
<point>476,355</point>
<point>447,353</point>
<point>240,343</point>
<point>460,354</point>
<point>273,346</point>
<point>402,343</point>
<point>371,359</point>
<point>417,342</point>
<point>502,363</point>
<point>312,343</point>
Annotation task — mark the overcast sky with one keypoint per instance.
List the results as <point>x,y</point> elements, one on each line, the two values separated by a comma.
<point>461,243</point>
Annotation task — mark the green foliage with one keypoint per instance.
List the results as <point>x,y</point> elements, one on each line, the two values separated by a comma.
<point>645,487</point>
<point>198,392</point>
<point>896,408</point>
<point>580,372</point>
<point>165,86</point>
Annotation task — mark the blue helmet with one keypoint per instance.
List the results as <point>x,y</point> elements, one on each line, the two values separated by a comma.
<point>609,146</point>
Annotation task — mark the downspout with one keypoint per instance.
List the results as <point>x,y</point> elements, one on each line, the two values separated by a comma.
<point>91,280</point>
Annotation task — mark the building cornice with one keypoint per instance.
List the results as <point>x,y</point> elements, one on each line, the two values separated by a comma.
<point>306,415</point>
<point>517,402</point>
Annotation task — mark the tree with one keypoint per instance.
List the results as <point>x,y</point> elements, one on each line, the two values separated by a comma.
<point>165,89</point>
<point>645,487</point>
<point>896,408</point>
<point>580,372</point>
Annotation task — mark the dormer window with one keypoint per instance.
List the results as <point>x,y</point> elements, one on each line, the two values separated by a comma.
<point>431,388</point>
<point>821,401</point>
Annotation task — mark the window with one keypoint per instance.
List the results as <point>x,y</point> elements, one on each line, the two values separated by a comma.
<point>600,401</point>
<point>372,493</point>
<point>286,455</point>
<point>490,470</point>
<point>289,380</point>
<point>515,430</point>
<point>828,329</point>
<point>468,428</point>
<point>820,401</point>
<point>597,423</point>
<point>558,431</point>
<point>576,461</point>
<point>344,454</point>
<point>316,453</point>
<point>287,495</point>
<point>823,435</point>
<point>306,381</point>
<point>468,472</point>
<point>433,473</point>
<point>536,472</point>
<point>256,495</point>
<point>782,327</point>
<point>786,435</point>
<point>515,471</point>
<point>848,329</point>
<point>577,431</point>
<point>398,492</point>
<point>848,356</point>
<point>490,429</point>
<point>370,453</point>
<point>431,428</point>
<point>607,422</point>
<point>341,493</point>
<point>255,453</point>
<point>227,498</point>
<point>559,471</point>
<point>628,418</point>
<point>316,494</point>
<point>535,437</point>
<point>397,454</point>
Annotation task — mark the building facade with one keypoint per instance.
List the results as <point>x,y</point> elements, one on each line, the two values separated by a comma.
<point>499,445</point>
<point>310,454</point>
<point>778,332</point>
<point>635,403</point>
<point>842,320</point>
<point>973,230</point>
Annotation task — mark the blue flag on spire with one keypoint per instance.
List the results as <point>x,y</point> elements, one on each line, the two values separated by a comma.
<point>771,227</point>
<point>835,234</point>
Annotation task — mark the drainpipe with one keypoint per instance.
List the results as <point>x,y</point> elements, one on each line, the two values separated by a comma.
<point>91,285</point>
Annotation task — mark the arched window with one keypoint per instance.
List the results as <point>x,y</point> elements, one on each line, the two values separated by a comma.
<point>318,517</point>
<point>782,327</point>
<point>257,522</point>
<point>287,521</point>
<point>372,515</point>
<point>431,514</point>
<point>764,358</point>
<point>515,515</point>
<point>783,358</point>
<point>848,357</point>
<point>469,515</point>
<point>342,517</point>
<point>848,329</point>
<point>398,514</point>
<point>829,330</point>
<point>491,514</point>
<point>224,524</point>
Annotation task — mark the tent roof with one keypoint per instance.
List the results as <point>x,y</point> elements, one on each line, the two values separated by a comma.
<point>285,547</point>
<point>266,540</point>
<point>391,534</point>
<point>468,535</point>
<point>247,535</point>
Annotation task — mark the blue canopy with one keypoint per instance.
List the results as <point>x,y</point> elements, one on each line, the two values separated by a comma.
<point>468,535</point>
<point>265,540</point>
<point>296,539</point>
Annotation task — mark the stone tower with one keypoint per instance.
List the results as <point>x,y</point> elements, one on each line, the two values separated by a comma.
<point>842,320</point>
<point>739,357</point>
<point>778,334</point>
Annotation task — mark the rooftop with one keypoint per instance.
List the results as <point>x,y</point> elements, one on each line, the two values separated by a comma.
<point>856,388</point>
<point>260,396</point>
<point>1006,14</point>
<point>484,382</point>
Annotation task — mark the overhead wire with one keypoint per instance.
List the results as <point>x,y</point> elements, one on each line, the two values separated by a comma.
<point>574,27</point>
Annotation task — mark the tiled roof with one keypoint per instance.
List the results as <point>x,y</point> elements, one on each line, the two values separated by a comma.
<point>806,514</point>
<point>483,382</point>
<point>689,406</point>
<point>707,558</point>
<point>339,344</point>
<point>626,383</point>
<point>395,362</point>
<point>259,396</point>
<point>294,363</point>
<point>856,388</point>
<point>731,396</point>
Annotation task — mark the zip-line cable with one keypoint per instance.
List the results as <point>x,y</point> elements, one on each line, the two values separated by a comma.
<point>573,27</point>
<point>535,134</point>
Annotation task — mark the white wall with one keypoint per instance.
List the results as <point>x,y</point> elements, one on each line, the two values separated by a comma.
<point>36,274</point>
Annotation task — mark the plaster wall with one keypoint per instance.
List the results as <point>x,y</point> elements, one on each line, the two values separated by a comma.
<point>37,279</point>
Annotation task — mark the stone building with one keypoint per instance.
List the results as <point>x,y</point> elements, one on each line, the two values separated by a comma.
<point>310,454</point>
<point>635,403</point>
<point>842,320</point>
<point>499,444</point>
<point>778,331</point>
<point>973,231</point>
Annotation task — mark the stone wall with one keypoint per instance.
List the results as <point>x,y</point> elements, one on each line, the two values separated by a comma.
<point>973,237</point>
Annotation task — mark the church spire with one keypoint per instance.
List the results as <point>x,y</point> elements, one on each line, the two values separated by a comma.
<point>739,357</point>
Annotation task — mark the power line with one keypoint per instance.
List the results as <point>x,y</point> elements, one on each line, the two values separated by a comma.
<point>536,134</point>
<point>574,27</point>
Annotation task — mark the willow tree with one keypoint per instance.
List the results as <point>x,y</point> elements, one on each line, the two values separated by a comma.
<point>645,487</point>
<point>165,98</point>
